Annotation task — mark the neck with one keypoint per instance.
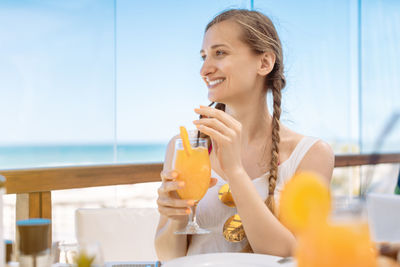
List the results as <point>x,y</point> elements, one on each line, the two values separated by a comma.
<point>253,114</point>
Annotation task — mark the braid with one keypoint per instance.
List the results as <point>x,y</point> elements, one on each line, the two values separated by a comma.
<point>277,85</point>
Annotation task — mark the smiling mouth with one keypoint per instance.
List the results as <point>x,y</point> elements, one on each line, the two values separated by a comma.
<point>212,84</point>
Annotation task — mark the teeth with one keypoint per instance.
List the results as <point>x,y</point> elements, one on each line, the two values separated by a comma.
<point>212,83</point>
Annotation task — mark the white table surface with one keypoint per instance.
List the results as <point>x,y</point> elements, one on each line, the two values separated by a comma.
<point>228,259</point>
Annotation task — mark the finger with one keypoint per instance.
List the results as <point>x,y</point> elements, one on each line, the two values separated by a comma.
<point>167,187</point>
<point>174,203</point>
<point>167,211</point>
<point>215,135</point>
<point>216,125</point>
<point>178,217</point>
<point>213,181</point>
<point>168,175</point>
<point>227,119</point>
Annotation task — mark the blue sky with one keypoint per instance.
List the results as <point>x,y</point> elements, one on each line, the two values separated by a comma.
<point>57,82</point>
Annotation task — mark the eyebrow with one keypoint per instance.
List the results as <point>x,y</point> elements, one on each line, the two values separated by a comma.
<point>215,46</point>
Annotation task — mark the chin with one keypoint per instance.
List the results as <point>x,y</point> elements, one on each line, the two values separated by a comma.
<point>215,97</point>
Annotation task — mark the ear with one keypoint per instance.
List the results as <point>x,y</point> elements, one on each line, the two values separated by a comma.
<point>267,61</point>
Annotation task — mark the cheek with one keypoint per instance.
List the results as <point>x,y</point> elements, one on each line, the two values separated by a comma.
<point>243,76</point>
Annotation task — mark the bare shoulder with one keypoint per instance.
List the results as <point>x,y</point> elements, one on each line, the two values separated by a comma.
<point>320,159</point>
<point>289,141</point>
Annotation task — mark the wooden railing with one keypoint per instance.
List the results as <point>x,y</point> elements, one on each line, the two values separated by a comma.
<point>49,179</point>
<point>33,186</point>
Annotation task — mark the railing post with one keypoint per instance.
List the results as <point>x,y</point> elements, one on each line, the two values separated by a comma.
<point>33,205</point>
<point>46,205</point>
<point>45,209</point>
<point>35,209</point>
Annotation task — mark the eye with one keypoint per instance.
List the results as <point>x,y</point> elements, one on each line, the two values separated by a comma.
<point>203,57</point>
<point>220,52</point>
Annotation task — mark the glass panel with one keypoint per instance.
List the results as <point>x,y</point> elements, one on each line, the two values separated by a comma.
<point>158,72</point>
<point>320,54</point>
<point>380,75</point>
<point>56,92</point>
<point>57,83</point>
<point>318,99</point>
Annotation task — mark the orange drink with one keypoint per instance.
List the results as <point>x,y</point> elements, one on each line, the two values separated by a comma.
<point>195,171</point>
<point>327,236</point>
<point>336,244</point>
<point>192,163</point>
<point>346,237</point>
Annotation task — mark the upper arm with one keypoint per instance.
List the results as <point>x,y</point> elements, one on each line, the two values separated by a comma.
<point>169,156</point>
<point>319,159</point>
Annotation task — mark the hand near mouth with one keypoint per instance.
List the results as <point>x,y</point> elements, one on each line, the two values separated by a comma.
<point>225,133</point>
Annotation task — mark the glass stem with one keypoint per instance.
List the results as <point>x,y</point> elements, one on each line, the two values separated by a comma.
<point>193,215</point>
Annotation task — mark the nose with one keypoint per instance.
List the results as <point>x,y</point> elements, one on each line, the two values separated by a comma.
<point>207,68</point>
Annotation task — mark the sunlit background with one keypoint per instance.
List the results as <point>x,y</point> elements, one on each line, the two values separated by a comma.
<point>96,82</point>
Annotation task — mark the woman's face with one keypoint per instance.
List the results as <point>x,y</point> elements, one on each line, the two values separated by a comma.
<point>230,67</point>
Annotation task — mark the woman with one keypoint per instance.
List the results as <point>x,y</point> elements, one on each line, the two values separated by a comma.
<point>251,149</point>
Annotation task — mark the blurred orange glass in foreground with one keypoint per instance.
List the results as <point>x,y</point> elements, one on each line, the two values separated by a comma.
<point>326,237</point>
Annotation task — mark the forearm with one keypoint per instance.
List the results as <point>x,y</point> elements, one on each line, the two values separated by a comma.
<point>167,244</point>
<point>263,230</point>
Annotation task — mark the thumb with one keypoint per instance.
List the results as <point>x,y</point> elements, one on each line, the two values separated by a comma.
<point>213,181</point>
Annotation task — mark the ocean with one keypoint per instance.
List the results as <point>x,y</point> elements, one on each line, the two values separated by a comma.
<point>34,156</point>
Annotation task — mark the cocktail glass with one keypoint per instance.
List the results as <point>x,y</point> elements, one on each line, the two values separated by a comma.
<point>194,170</point>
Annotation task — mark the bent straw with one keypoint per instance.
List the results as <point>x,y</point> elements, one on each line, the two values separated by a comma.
<point>185,141</point>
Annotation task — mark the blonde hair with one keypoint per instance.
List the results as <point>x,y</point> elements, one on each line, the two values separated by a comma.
<point>261,36</point>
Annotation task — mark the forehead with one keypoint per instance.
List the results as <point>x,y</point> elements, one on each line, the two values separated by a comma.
<point>226,32</point>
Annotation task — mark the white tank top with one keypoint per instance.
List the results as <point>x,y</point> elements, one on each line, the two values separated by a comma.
<point>212,213</point>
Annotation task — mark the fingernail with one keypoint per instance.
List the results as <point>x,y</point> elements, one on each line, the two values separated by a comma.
<point>195,121</point>
<point>187,211</point>
<point>181,183</point>
<point>190,202</point>
<point>202,106</point>
<point>174,174</point>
